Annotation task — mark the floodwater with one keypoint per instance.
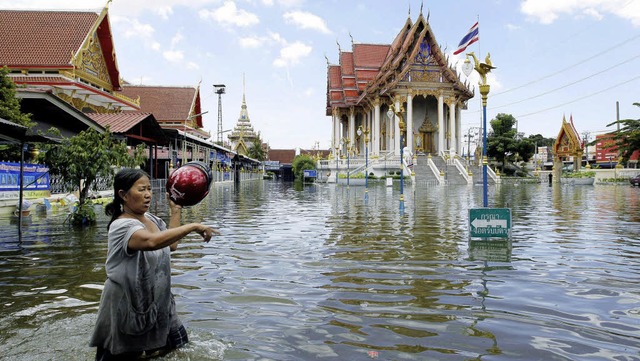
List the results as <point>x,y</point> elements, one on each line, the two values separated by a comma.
<point>318,273</point>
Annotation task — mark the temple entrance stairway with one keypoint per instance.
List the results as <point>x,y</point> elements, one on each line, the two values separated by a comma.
<point>450,174</point>
<point>424,175</point>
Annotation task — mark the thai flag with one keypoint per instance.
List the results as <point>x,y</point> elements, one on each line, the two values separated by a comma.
<point>471,37</point>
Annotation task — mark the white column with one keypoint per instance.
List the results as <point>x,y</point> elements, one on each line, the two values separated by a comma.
<point>410,122</point>
<point>458,128</point>
<point>336,137</point>
<point>396,132</point>
<point>452,126</point>
<point>441,124</point>
<point>375,132</point>
<point>352,127</point>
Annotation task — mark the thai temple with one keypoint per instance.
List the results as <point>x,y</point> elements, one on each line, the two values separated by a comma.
<point>68,78</point>
<point>384,98</point>
<point>243,136</point>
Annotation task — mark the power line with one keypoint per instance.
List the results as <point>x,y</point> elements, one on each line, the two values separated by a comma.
<point>566,85</point>
<point>570,66</point>
<point>581,98</point>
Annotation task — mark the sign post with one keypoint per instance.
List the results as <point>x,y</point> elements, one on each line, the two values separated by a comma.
<point>310,175</point>
<point>489,223</point>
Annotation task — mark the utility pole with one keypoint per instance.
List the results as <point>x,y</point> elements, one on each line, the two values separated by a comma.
<point>585,137</point>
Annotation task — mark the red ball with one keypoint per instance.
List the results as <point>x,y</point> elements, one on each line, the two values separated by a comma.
<point>189,184</point>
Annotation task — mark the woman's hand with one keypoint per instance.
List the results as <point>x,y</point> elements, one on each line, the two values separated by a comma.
<point>173,207</point>
<point>206,232</point>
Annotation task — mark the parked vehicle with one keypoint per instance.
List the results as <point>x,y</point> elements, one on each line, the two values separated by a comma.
<point>635,181</point>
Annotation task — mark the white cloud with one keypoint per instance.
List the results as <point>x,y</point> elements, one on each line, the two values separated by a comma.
<point>229,14</point>
<point>291,54</point>
<point>176,39</point>
<point>251,42</point>
<point>548,11</point>
<point>132,28</point>
<point>163,11</point>
<point>513,27</point>
<point>309,92</point>
<point>173,56</point>
<point>290,3</point>
<point>305,20</point>
<point>192,66</point>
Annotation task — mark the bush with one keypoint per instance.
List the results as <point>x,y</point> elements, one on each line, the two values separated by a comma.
<point>300,164</point>
<point>352,176</point>
<point>581,174</point>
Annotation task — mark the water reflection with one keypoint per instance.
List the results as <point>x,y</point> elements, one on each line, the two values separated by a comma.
<point>318,271</point>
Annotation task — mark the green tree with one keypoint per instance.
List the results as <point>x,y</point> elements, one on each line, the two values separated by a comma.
<point>501,142</point>
<point>627,138</point>
<point>85,157</point>
<point>541,141</point>
<point>256,151</point>
<point>10,110</point>
<point>300,164</point>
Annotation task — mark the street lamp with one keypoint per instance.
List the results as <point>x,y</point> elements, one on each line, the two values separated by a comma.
<point>219,89</point>
<point>482,69</point>
<point>390,114</point>
<point>365,131</point>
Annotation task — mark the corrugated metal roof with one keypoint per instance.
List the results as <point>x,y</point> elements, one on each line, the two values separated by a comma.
<point>119,122</point>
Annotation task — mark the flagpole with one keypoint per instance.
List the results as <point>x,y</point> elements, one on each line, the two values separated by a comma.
<point>478,21</point>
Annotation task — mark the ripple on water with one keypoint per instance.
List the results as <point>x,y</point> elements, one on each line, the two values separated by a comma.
<point>317,272</point>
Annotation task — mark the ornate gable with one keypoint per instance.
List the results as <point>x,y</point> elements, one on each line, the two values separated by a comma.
<point>95,60</point>
<point>90,63</point>
<point>568,141</point>
<point>417,58</point>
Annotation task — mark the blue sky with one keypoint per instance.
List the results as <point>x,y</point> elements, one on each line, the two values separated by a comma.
<point>554,58</point>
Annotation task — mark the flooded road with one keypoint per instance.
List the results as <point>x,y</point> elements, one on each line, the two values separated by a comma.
<point>317,272</point>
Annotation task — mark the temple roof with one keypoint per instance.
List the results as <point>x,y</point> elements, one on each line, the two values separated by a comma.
<point>68,52</point>
<point>167,103</point>
<point>52,39</point>
<point>243,134</point>
<point>568,140</point>
<point>371,70</point>
<point>173,107</point>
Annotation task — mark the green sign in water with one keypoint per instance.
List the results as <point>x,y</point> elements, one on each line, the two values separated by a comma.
<point>490,223</point>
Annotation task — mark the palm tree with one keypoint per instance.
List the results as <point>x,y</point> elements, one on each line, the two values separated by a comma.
<point>256,151</point>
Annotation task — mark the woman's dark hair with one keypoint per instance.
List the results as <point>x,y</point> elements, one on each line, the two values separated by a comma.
<point>124,180</point>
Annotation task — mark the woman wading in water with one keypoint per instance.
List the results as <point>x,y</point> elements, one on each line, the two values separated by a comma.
<point>137,315</point>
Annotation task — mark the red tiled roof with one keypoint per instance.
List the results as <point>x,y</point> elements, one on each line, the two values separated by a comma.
<point>346,63</point>
<point>42,38</point>
<point>165,102</point>
<point>50,39</point>
<point>284,156</point>
<point>369,55</point>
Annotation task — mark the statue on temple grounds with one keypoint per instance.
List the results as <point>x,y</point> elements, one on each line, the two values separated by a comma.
<point>482,68</point>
